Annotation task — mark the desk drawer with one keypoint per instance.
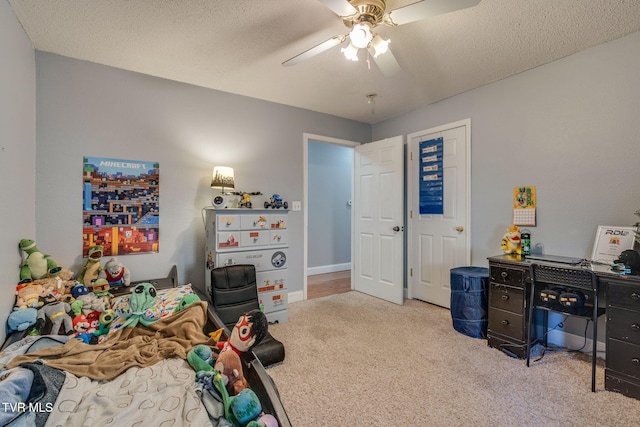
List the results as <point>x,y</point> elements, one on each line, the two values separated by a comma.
<point>506,298</point>
<point>613,381</point>
<point>623,357</point>
<point>623,324</point>
<point>506,276</point>
<point>506,323</point>
<point>623,294</point>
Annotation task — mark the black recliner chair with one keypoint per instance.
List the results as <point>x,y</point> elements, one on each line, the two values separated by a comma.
<point>234,292</point>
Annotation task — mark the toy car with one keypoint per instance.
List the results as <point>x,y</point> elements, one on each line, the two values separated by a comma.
<point>276,202</point>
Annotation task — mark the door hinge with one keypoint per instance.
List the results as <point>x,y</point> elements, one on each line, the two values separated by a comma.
<point>411,214</point>
<point>411,155</point>
<point>411,272</point>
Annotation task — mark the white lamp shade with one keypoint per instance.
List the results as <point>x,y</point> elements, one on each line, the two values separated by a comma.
<point>361,35</point>
<point>379,45</point>
<point>222,178</point>
<point>350,52</point>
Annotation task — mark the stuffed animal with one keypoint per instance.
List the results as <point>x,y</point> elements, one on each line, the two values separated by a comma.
<point>101,289</point>
<point>82,328</point>
<point>229,365</point>
<point>92,267</point>
<point>85,301</point>
<point>186,301</point>
<point>106,317</point>
<point>511,243</point>
<point>21,318</point>
<point>36,265</point>
<point>140,306</point>
<point>56,312</point>
<point>243,409</point>
<point>28,295</point>
<point>250,329</point>
<point>201,358</point>
<point>60,282</point>
<point>116,273</point>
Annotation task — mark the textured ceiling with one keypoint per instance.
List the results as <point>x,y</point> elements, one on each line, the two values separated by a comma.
<point>238,46</point>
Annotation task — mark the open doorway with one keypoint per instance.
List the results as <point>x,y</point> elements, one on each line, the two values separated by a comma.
<point>328,193</point>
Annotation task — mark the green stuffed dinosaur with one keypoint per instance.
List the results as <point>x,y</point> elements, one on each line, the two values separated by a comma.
<point>36,265</point>
<point>242,410</point>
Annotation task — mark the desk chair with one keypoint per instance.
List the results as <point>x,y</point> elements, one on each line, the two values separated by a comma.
<point>234,292</point>
<point>582,279</point>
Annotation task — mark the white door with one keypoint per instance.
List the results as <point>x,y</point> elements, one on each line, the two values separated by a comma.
<point>378,235</point>
<point>439,242</point>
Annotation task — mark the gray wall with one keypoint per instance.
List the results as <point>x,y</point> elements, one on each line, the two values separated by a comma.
<point>85,109</point>
<point>329,216</point>
<point>571,128</point>
<point>17,152</point>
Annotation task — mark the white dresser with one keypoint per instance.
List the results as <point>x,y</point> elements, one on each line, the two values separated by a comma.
<point>251,236</point>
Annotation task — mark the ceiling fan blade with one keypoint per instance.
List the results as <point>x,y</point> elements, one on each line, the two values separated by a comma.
<point>386,62</point>
<point>327,44</point>
<point>427,8</point>
<point>340,7</point>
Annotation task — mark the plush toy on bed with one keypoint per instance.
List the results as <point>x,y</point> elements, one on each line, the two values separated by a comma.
<point>60,283</point>
<point>511,243</point>
<point>250,329</point>
<point>186,301</point>
<point>85,301</point>
<point>101,289</point>
<point>140,306</point>
<point>82,328</point>
<point>92,267</point>
<point>201,358</point>
<point>28,295</point>
<point>36,265</point>
<point>116,273</point>
<point>229,365</point>
<point>21,318</point>
<point>56,312</point>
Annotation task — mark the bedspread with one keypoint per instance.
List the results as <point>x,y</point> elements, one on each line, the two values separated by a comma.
<point>161,394</point>
<point>129,347</point>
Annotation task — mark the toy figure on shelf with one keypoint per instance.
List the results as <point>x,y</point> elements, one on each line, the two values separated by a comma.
<point>245,198</point>
<point>276,202</point>
<point>511,243</point>
<point>36,265</point>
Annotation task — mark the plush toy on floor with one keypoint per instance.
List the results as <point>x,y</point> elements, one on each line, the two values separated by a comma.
<point>511,243</point>
<point>36,265</point>
<point>92,267</point>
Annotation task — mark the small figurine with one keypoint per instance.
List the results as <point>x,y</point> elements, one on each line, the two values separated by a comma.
<point>276,202</point>
<point>511,243</point>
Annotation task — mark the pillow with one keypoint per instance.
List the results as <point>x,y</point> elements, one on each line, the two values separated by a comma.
<point>166,302</point>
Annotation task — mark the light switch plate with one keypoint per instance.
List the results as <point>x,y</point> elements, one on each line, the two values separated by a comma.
<point>296,206</point>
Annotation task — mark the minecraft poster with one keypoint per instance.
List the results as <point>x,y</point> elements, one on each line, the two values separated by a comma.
<point>120,206</point>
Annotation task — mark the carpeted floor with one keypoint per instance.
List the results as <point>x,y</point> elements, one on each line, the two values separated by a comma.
<point>354,360</point>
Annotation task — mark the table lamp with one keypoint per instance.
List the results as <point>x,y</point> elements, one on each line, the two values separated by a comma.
<point>222,179</point>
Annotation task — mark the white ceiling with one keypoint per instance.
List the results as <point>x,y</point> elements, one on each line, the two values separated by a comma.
<point>238,46</point>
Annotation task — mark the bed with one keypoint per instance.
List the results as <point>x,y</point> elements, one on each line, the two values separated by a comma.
<point>133,376</point>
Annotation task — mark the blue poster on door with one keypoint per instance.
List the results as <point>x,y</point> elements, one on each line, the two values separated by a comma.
<point>431,179</point>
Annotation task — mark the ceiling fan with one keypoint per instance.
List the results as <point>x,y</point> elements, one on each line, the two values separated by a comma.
<point>363,16</point>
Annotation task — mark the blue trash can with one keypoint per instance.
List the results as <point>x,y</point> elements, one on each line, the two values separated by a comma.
<point>469,300</point>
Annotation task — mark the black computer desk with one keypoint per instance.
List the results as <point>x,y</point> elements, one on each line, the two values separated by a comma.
<point>619,296</point>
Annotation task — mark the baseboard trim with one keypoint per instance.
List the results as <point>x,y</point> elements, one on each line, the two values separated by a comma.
<point>323,269</point>
<point>296,296</point>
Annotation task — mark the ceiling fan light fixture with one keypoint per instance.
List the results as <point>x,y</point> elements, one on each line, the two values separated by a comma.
<point>350,52</point>
<point>361,35</point>
<point>380,45</point>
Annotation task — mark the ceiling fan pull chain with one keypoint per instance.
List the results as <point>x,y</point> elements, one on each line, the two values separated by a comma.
<point>368,60</point>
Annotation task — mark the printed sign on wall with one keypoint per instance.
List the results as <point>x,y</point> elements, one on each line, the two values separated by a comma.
<point>120,206</point>
<point>431,180</point>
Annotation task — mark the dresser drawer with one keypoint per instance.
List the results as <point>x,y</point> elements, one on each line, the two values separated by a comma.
<point>254,238</point>
<point>623,324</point>
<point>613,381</point>
<point>623,294</point>
<point>506,298</point>
<point>506,323</point>
<point>228,222</point>
<point>506,276</point>
<point>623,357</point>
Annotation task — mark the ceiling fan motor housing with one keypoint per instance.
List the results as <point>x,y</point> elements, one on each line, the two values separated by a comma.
<point>371,11</point>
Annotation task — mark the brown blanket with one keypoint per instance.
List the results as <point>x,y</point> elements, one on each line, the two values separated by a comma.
<point>141,346</point>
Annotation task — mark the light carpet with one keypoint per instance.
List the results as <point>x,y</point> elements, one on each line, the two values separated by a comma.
<point>355,360</point>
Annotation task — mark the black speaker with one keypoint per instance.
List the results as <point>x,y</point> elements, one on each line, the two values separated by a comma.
<point>573,302</point>
<point>550,298</point>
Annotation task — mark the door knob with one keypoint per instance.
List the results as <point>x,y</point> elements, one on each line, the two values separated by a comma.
<point>396,228</point>
<point>459,229</point>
